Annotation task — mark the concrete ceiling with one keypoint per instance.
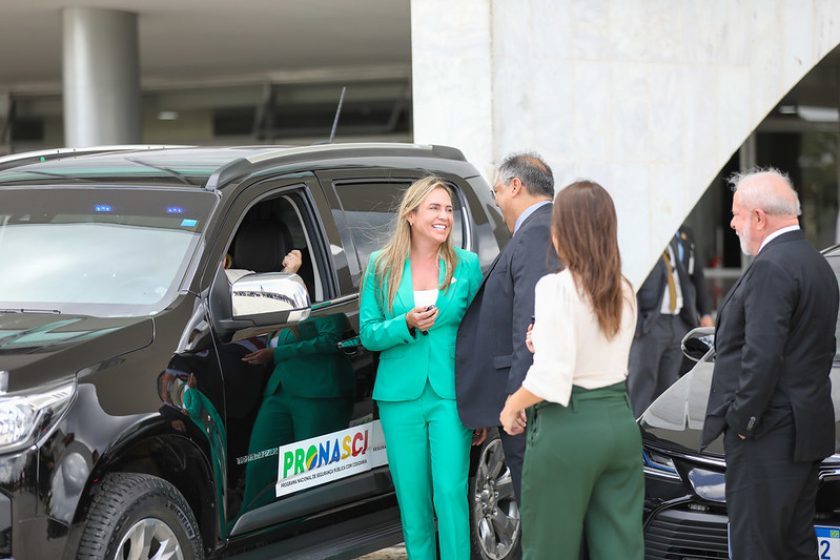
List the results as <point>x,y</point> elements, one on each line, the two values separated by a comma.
<point>186,40</point>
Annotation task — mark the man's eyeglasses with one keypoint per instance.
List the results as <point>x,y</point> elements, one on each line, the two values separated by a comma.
<point>493,191</point>
<point>497,186</point>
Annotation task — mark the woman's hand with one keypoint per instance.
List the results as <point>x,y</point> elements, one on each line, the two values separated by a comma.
<point>419,318</point>
<point>513,421</point>
<point>529,338</point>
<point>260,357</point>
<point>163,386</point>
<point>479,436</point>
<point>292,261</point>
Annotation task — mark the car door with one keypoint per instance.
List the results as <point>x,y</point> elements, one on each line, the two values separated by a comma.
<point>298,440</point>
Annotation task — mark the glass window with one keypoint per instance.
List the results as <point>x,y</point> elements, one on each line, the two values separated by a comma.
<point>369,208</point>
<point>270,231</point>
<point>834,261</point>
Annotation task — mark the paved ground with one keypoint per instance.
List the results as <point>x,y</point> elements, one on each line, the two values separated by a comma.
<point>393,553</point>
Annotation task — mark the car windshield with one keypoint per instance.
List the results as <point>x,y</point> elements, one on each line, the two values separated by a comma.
<point>683,405</point>
<point>834,261</point>
<point>97,251</point>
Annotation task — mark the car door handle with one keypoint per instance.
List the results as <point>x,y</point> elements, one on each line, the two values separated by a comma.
<point>350,346</point>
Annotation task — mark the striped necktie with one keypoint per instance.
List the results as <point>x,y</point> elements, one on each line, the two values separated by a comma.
<point>672,286</point>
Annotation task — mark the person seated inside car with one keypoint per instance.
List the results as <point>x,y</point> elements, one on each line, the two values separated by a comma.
<point>290,263</point>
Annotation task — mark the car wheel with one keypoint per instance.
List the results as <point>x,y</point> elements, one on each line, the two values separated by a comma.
<point>494,514</point>
<point>141,517</point>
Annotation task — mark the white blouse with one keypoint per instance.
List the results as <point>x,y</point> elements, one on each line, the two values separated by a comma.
<point>570,348</point>
<point>425,298</point>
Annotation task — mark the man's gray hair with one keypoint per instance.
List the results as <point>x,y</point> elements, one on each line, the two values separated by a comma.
<point>532,170</point>
<point>771,201</point>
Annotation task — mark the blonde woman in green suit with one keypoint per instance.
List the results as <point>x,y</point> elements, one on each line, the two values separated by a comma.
<point>415,292</point>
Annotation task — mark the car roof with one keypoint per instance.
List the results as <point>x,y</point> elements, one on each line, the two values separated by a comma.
<point>208,167</point>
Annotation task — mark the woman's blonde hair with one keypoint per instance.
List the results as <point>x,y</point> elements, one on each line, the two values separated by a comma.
<point>388,270</point>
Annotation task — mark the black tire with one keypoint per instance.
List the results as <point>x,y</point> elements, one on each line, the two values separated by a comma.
<point>494,514</point>
<point>129,508</point>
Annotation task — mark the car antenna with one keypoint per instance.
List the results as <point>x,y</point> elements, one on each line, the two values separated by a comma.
<point>337,114</point>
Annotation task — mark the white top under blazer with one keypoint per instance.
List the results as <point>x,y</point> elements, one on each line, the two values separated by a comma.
<point>425,298</point>
<point>570,348</point>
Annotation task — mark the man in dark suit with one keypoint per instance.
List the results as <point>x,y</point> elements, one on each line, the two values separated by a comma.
<point>771,394</point>
<point>491,359</point>
<point>672,300</point>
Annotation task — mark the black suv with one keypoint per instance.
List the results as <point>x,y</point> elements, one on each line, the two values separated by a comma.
<point>136,280</point>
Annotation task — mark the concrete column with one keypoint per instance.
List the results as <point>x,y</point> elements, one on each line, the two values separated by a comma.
<point>452,77</point>
<point>101,77</point>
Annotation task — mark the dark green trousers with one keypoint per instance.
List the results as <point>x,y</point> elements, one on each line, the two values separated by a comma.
<point>583,476</point>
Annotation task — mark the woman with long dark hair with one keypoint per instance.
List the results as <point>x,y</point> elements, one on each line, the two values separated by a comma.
<point>583,463</point>
<point>416,290</point>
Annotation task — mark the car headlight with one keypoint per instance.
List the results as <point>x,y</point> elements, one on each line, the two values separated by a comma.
<point>657,464</point>
<point>25,418</point>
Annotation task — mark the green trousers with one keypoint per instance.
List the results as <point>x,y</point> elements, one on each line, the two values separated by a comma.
<point>429,456</point>
<point>583,475</point>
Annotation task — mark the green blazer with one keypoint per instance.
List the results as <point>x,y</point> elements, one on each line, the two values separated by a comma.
<point>406,361</point>
<point>307,363</point>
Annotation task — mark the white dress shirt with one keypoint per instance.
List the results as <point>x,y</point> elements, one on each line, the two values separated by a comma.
<point>570,347</point>
<point>425,298</point>
<point>776,234</point>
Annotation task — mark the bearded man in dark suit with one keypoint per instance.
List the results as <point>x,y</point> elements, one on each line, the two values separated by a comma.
<point>491,358</point>
<point>771,394</point>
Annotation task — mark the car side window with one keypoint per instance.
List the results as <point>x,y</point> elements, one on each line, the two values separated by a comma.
<point>270,231</point>
<point>368,208</point>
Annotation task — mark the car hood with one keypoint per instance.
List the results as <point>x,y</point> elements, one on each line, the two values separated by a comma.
<point>37,348</point>
<point>675,419</point>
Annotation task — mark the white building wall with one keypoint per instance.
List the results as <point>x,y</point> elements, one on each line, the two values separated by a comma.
<point>648,97</point>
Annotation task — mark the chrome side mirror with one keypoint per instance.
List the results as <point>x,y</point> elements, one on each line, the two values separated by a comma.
<point>270,298</point>
<point>698,342</point>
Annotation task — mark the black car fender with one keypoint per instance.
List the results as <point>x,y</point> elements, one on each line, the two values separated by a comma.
<point>160,444</point>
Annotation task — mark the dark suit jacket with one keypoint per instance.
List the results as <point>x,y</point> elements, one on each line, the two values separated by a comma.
<point>696,299</point>
<point>774,348</point>
<point>491,359</point>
